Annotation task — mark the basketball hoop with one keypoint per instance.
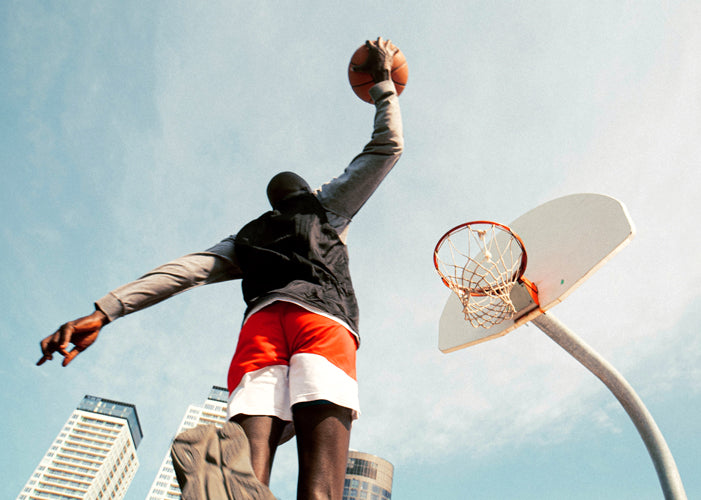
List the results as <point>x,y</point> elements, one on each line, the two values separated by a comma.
<point>480,262</point>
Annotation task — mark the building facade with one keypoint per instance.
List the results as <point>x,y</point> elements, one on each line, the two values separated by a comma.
<point>93,456</point>
<point>213,411</point>
<point>367,477</point>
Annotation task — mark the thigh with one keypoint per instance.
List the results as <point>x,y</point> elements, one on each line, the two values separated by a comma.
<point>323,437</point>
<point>264,434</point>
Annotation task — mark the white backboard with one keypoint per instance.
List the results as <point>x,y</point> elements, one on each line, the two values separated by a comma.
<point>567,240</point>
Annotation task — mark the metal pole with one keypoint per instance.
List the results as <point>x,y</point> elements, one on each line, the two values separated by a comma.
<point>654,441</point>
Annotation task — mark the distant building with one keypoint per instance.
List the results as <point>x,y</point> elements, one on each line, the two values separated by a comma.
<point>213,411</point>
<point>93,457</point>
<point>367,477</point>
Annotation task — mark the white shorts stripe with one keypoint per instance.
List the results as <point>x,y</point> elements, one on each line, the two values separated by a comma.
<point>273,390</point>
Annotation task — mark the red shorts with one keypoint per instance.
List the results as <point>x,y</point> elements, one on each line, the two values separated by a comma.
<point>288,355</point>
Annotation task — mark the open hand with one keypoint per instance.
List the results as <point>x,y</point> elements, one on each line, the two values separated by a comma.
<point>81,332</point>
<point>380,58</point>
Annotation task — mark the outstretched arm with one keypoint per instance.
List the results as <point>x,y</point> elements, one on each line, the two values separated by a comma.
<point>214,265</point>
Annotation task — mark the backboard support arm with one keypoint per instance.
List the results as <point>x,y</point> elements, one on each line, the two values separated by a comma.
<point>662,459</point>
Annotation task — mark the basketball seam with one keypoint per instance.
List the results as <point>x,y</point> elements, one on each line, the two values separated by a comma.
<point>362,84</point>
<point>398,67</point>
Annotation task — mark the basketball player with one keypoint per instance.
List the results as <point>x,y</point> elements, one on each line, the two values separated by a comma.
<point>293,371</point>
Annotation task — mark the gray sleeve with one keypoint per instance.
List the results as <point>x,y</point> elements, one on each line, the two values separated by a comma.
<point>214,265</point>
<point>347,193</point>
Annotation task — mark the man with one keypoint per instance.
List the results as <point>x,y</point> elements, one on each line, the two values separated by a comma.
<point>294,365</point>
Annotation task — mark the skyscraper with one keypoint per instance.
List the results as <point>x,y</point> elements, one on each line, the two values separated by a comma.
<point>213,411</point>
<point>93,456</point>
<point>367,477</point>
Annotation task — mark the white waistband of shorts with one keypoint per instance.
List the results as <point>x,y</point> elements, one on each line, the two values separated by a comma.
<point>272,300</point>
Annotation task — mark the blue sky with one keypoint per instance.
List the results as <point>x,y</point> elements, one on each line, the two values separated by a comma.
<point>133,134</point>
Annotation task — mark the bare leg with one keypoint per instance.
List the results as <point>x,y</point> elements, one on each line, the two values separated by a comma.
<point>263,434</point>
<point>323,436</point>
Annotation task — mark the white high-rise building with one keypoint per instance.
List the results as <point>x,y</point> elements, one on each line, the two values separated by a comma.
<point>213,411</point>
<point>93,456</point>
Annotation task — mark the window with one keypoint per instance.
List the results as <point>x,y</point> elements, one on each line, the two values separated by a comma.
<point>360,467</point>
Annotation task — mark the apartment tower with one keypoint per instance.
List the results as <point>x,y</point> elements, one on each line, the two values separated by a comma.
<point>213,411</point>
<point>93,456</point>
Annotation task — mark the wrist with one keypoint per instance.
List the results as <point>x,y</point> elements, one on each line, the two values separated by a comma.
<point>381,76</point>
<point>100,316</point>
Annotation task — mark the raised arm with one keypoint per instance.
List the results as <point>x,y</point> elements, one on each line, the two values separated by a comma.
<point>216,264</point>
<point>347,193</point>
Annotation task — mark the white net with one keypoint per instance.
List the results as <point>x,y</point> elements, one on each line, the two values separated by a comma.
<point>480,262</point>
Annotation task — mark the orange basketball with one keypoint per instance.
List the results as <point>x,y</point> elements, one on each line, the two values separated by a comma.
<point>361,82</point>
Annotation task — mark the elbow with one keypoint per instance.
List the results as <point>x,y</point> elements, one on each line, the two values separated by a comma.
<point>394,146</point>
<point>398,145</point>
<point>391,146</point>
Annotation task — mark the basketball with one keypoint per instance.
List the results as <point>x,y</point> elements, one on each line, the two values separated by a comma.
<point>361,82</point>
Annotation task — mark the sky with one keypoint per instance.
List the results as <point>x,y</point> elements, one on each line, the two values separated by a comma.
<point>137,132</point>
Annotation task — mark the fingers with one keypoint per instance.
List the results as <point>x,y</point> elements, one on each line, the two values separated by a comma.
<point>80,344</point>
<point>44,358</point>
<point>379,47</point>
<point>64,338</point>
<point>390,47</point>
<point>57,342</point>
<point>70,356</point>
<point>379,43</point>
<point>44,345</point>
<point>383,44</point>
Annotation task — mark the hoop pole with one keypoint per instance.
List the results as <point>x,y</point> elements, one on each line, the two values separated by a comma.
<point>654,441</point>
